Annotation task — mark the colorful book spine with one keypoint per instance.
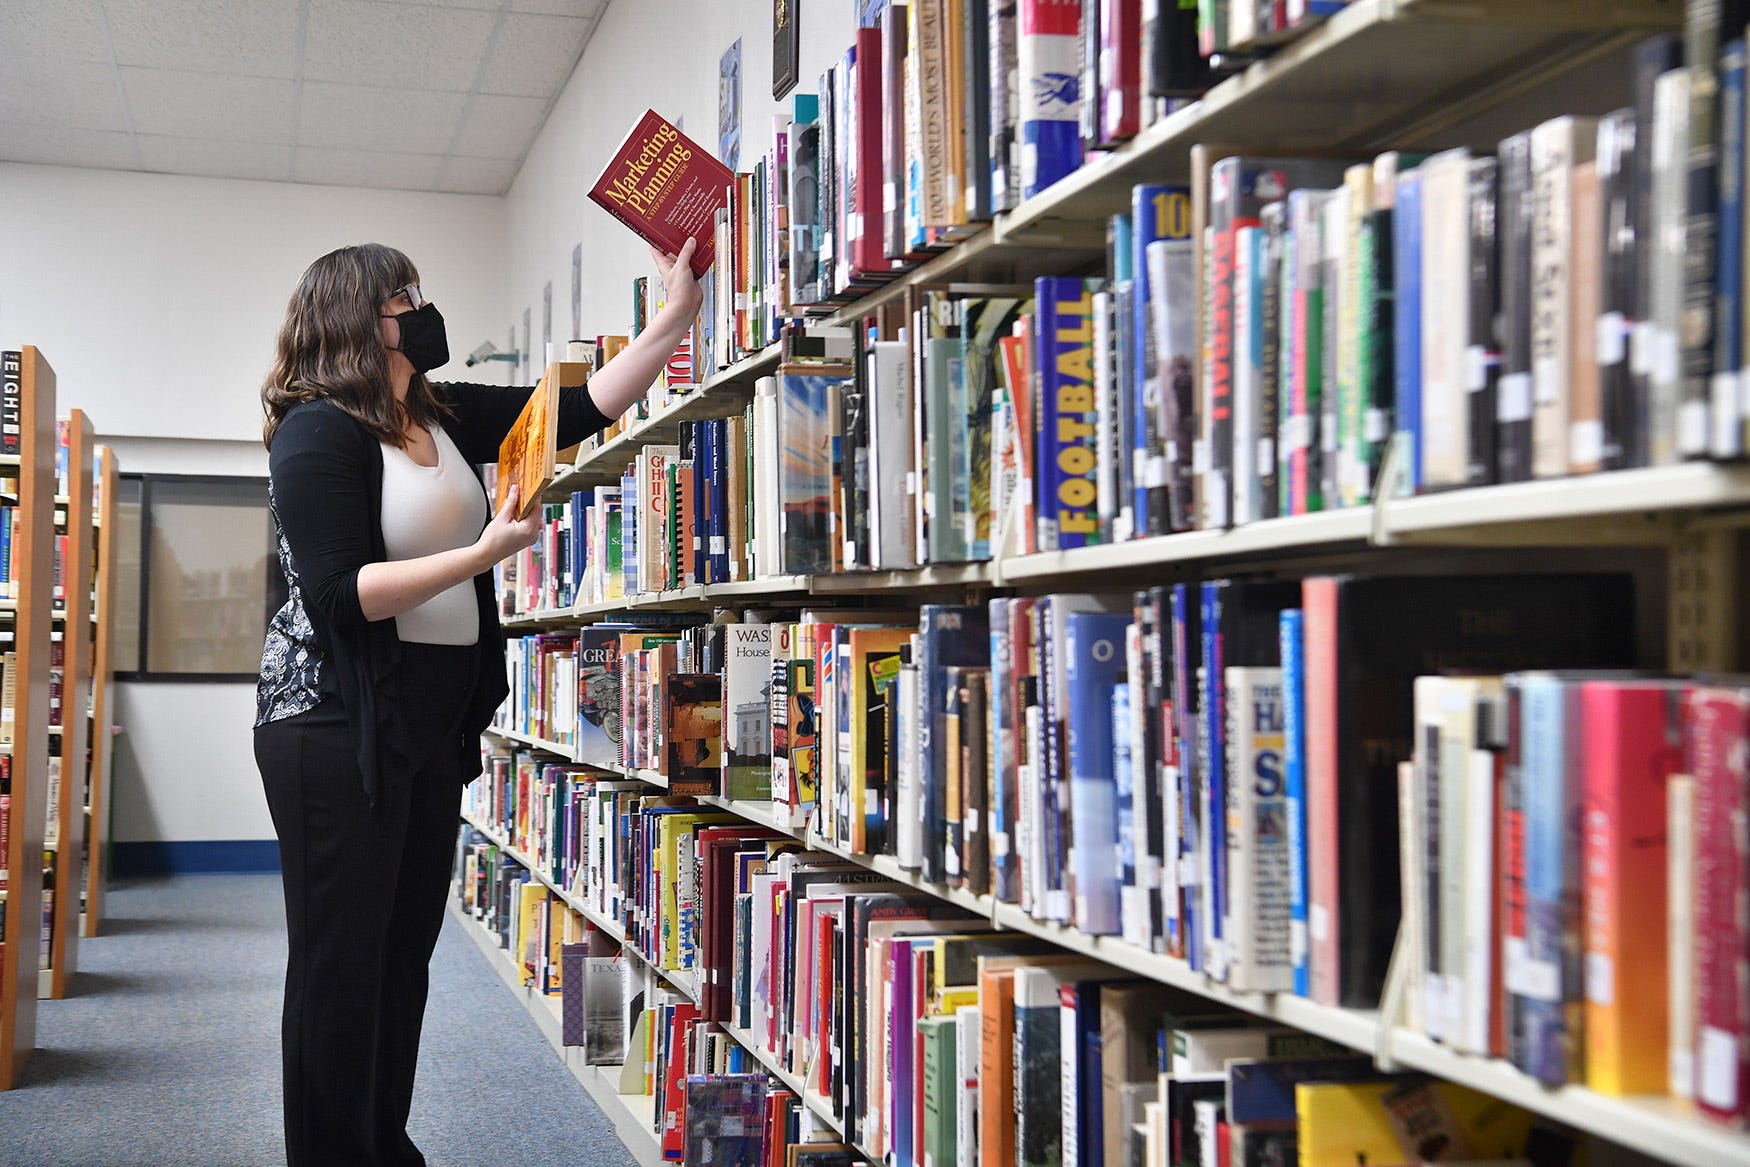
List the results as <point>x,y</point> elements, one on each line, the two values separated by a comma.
<point>1717,721</point>
<point>1259,865</point>
<point>1068,420</point>
<point>1536,973</point>
<point>1292,628</point>
<point>1407,329</point>
<point>1094,665</point>
<point>1049,91</point>
<point>1213,736</point>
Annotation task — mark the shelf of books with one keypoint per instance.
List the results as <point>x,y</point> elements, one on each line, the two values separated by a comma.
<point>67,836</point>
<point>1093,668</point>
<point>27,574</point>
<point>101,745</point>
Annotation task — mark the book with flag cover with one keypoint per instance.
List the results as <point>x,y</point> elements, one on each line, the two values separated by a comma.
<point>666,187</point>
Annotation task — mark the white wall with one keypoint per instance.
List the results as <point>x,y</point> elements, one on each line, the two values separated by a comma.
<point>647,54</point>
<point>157,299</point>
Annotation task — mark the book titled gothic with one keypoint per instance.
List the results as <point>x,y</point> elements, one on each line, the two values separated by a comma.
<point>666,187</point>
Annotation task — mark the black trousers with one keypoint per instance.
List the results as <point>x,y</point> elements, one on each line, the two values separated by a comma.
<point>365,892</point>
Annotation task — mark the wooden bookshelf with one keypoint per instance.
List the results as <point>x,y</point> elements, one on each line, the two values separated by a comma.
<point>97,785</point>
<point>68,747</point>
<point>33,559</point>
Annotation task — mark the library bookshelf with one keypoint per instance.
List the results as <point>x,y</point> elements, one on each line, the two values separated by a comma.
<point>1362,81</point>
<point>97,784</point>
<point>70,739</point>
<point>32,623</point>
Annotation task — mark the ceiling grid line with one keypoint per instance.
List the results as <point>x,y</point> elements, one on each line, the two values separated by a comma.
<point>373,93</point>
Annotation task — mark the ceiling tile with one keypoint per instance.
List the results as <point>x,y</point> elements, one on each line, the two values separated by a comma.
<point>209,105</point>
<point>61,147</point>
<point>253,38</point>
<point>68,30</point>
<point>353,117</point>
<point>77,94</point>
<point>484,5</point>
<point>533,55</point>
<point>216,159</point>
<point>381,43</point>
<point>366,168</point>
<point>500,127</point>
<point>477,176</point>
<point>585,8</point>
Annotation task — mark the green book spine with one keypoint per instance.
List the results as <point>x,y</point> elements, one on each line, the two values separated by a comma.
<point>940,1097</point>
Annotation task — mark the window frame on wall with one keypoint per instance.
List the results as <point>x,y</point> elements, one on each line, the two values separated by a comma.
<point>274,593</point>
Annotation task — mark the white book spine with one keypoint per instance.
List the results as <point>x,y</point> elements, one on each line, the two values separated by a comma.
<point>1247,503</point>
<point>1069,1062</point>
<point>1414,950</point>
<point>968,1042</point>
<point>1445,320</point>
<point>1680,936</point>
<point>1257,833</point>
<point>1556,148</point>
<point>1663,358</point>
<point>1479,903</point>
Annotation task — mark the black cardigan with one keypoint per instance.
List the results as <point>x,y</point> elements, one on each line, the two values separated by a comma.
<point>327,475</point>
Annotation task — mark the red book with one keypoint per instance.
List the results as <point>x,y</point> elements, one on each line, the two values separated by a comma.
<point>1716,721</point>
<point>1120,70</point>
<point>674,1095</point>
<point>664,186</point>
<point>1632,731</point>
<point>868,246</point>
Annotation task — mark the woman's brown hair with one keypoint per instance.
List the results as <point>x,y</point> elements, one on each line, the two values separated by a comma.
<point>330,346</point>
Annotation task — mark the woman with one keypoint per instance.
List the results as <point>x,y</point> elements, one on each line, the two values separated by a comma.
<point>385,664</point>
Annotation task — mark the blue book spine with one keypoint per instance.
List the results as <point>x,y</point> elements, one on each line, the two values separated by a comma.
<point>1049,78</point>
<point>1120,245</point>
<point>1407,325</point>
<point>718,489</point>
<point>581,501</point>
<point>1093,667</point>
<point>1156,213</point>
<point>1124,788</point>
<point>1090,1075</point>
<point>1068,420</point>
<point>1548,803</point>
<point>1292,625</point>
<point>953,636</point>
<point>1184,611</point>
<point>1728,432</point>
<point>1213,710</point>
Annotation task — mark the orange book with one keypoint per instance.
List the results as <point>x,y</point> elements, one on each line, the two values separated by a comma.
<point>527,454</point>
<point>1629,731</point>
<point>996,1067</point>
<point>664,186</point>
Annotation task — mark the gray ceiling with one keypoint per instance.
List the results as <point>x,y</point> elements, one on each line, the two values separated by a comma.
<point>444,95</point>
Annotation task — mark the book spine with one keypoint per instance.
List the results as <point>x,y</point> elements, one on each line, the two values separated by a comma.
<point>1269,317</point>
<point>1726,436</point>
<point>1585,443</point>
<point>1336,263</point>
<point>1259,882</point>
<point>1556,149</point>
<point>1167,287</point>
<point>1407,327</point>
<point>1306,328</point>
<point>1680,919</point>
<point>1069,418</point>
<point>1005,163</point>
<point>1213,712</point>
<point>867,227</point>
<point>1094,659</point>
<point>1482,363</point>
<point>1513,404</point>
<point>1120,69</point>
<point>1354,332</point>
<point>1292,630</point>
<point>11,402</point>
<point>1536,978</point>
<point>1185,642</point>
<point>1667,250</point>
<point>975,105</point>
<point>1245,353</point>
<point>1716,723</point>
<point>1106,399</point>
<point>1217,413</point>
<point>1050,102</point>
<point>1701,228</point>
<point>1324,922</point>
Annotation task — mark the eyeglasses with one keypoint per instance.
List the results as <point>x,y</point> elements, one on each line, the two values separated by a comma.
<point>414,296</point>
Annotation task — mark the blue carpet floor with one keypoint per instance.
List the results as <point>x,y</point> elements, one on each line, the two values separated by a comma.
<point>167,1054</point>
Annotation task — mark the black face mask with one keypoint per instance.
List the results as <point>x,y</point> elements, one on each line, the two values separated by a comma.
<point>423,341</point>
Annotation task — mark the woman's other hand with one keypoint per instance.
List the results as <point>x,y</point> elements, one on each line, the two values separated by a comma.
<point>681,287</point>
<point>506,534</point>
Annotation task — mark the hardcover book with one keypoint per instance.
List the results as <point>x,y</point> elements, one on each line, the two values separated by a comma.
<point>666,188</point>
<point>525,457</point>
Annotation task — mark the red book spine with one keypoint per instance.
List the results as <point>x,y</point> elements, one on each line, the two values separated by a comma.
<point>1716,722</point>
<point>1632,737</point>
<point>1319,600</point>
<point>868,250</point>
<point>674,1110</point>
<point>1497,943</point>
<point>1512,876</point>
<point>1120,69</point>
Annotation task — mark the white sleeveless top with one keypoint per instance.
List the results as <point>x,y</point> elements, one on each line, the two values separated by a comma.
<point>428,509</point>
